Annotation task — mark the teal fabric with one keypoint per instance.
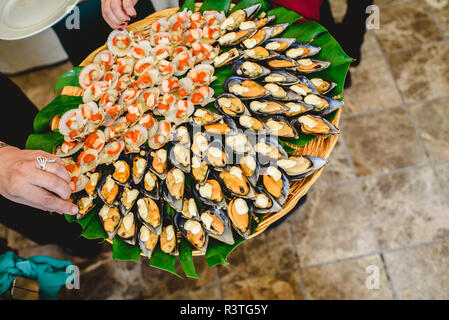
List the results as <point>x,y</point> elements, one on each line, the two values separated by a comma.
<point>49,272</point>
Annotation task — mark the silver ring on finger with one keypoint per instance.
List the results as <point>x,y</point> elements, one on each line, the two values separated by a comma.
<point>42,162</point>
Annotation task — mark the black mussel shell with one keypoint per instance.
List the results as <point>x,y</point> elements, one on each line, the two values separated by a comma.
<point>275,206</point>
<point>126,208</point>
<point>226,236</point>
<point>243,233</point>
<point>316,164</point>
<point>144,231</point>
<point>160,205</point>
<point>111,234</point>
<point>131,240</point>
<point>153,193</point>
<point>182,223</point>
<point>285,183</point>
<point>168,223</point>
<point>100,186</point>
<point>223,99</point>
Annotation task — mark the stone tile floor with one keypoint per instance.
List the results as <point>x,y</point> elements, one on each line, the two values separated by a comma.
<point>380,208</point>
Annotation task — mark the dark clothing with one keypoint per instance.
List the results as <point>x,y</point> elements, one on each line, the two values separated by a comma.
<point>39,226</point>
<point>93,32</point>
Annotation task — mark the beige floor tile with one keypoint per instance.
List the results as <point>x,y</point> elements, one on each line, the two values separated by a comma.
<point>422,73</point>
<point>441,14</point>
<point>332,225</point>
<point>404,25</point>
<point>338,8</point>
<point>38,85</point>
<point>161,284</point>
<point>372,87</point>
<point>268,253</point>
<point>382,141</point>
<point>347,280</point>
<point>283,286</point>
<point>407,207</point>
<point>443,175</point>
<point>420,272</point>
<point>432,119</point>
<point>18,242</point>
<point>338,168</point>
<point>370,45</point>
<point>204,293</point>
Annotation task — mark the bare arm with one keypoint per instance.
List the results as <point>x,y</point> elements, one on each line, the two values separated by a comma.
<point>117,13</point>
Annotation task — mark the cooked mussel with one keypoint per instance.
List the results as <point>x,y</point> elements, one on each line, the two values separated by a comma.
<point>200,169</point>
<point>235,37</point>
<point>85,203</point>
<point>269,150</point>
<point>210,193</point>
<point>248,69</point>
<point>180,157</point>
<point>217,224</point>
<point>282,62</point>
<point>240,213</point>
<point>110,219</point>
<point>278,44</point>
<point>200,144</point>
<point>158,161</point>
<point>245,89</point>
<point>259,54</point>
<point>150,185</point>
<point>322,104</point>
<point>304,87</point>
<point>264,202</point>
<point>278,29</point>
<point>122,172</point>
<point>181,135</point>
<point>315,125</point>
<point>108,190</point>
<point>267,107</point>
<point>193,231</point>
<point>280,126</point>
<point>127,230</point>
<point>296,108</point>
<point>167,238</point>
<point>91,185</point>
<point>174,188</point>
<point>323,86</point>
<point>257,23</point>
<point>230,105</point>
<point>203,116</point>
<point>139,166</point>
<point>150,213</point>
<point>222,127</point>
<point>127,199</point>
<point>299,50</point>
<point>276,183</point>
<point>189,207</point>
<point>309,65</point>
<point>279,93</point>
<point>235,19</point>
<point>300,167</point>
<point>238,143</point>
<point>227,57</point>
<point>281,77</point>
<point>216,156</point>
<point>235,183</point>
<point>252,124</point>
<point>250,168</point>
<point>257,38</point>
<point>147,240</point>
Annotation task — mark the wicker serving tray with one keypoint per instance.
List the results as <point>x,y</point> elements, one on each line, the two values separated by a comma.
<point>318,147</point>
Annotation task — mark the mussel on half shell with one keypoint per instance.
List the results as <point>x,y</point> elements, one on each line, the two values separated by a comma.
<point>300,167</point>
<point>217,224</point>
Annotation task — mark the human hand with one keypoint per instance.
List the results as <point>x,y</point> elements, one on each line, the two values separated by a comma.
<point>23,182</point>
<point>117,13</point>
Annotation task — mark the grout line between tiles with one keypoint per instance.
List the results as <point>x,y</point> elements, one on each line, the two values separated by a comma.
<point>218,283</point>
<point>298,265</point>
<point>417,131</point>
<point>432,15</point>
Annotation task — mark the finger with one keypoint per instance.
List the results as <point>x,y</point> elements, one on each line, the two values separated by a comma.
<point>51,183</point>
<point>116,6</point>
<point>48,202</point>
<point>109,16</point>
<point>58,170</point>
<point>128,6</point>
<point>49,156</point>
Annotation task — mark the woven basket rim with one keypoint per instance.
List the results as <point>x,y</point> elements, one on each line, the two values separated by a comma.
<point>319,147</point>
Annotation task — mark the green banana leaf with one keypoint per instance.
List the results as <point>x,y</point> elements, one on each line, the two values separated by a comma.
<point>219,5</point>
<point>163,261</point>
<point>186,259</point>
<point>189,5</point>
<point>284,15</point>
<point>125,252</point>
<point>69,78</point>
<point>60,105</point>
<point>218,252</point>
<point>44,141</point>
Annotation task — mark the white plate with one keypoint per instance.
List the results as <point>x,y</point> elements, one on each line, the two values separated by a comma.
<point>23,18</point>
